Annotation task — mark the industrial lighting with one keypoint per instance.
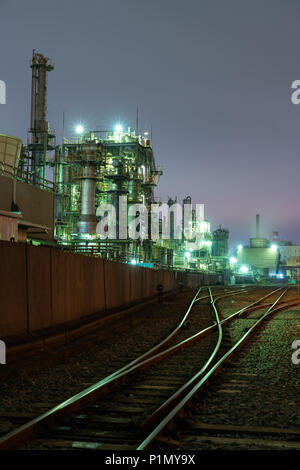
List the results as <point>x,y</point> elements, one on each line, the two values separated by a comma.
<point>79,129</point>
<point>87,236</point>
<point>240,247</point>
<point>232,260</point>
<point>187,254</point>
<point>133,261</point>
<point>118,128</point>
<point>274,247</point>
<point>244,269</point>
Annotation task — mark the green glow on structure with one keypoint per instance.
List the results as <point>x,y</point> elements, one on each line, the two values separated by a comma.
<point>244,269</point>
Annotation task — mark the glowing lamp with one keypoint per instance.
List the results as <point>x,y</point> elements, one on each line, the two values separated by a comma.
<point>244,269</point>
<point>79,129</point>
<point>118,128</point>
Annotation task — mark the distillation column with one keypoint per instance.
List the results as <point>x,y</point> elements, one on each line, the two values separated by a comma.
<point>88,221</point>
<point>39,145</point>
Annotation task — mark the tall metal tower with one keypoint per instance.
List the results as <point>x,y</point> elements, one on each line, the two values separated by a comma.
<point>41,138</point>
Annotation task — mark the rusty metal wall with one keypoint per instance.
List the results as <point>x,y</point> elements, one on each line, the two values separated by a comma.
<point>42,287</point>
<point>39,287</point>
<point>77,286</point>
<point>37,205</point>
<point>13,289</point>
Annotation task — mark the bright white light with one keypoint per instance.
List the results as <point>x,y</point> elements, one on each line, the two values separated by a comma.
<point>118,128</point>
<point>79,129</point>
<point>204,227</point>
<point>86,236</point>
<point>133,261</point>
<point>244,269</point>
<point>240,247</point>
<point>232,260</point>
<point>187,254</point>
<point>274,247</point>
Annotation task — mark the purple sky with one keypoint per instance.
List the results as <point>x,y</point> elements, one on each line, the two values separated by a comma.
<point>213,77</point>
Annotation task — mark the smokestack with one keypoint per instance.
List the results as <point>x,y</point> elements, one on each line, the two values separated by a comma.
<point>257,226</point>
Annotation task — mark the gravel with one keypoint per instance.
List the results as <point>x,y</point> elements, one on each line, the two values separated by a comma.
<point>44,388</point>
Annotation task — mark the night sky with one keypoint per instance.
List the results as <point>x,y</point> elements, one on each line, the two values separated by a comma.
<point>212,77</point>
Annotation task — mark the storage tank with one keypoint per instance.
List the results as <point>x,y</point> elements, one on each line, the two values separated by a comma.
<point>10,151</point>
<point>259,242</point>
<point>220,242</point>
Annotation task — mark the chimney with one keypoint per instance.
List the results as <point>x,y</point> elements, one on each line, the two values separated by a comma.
<point>257,225</point>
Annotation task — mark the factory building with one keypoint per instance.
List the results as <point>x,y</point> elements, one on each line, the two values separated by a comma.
<point>96,171</point>
<point>261,260</point>
<point>289,257</point>
<point>261,257</point>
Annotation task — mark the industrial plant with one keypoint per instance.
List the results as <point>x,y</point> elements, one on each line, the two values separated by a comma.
<point>267,258</point>
<point>50,193</point>
<point>149,290</point>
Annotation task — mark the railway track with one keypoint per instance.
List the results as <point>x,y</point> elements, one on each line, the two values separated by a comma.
<point>144,391</point>
<point>185,427</point>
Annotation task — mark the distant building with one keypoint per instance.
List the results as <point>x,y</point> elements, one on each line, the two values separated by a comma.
<point>261,260</point>
<point>262,257</point>
<point>290,255</point>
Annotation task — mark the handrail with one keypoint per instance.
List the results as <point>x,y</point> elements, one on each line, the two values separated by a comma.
<point>25,176</point>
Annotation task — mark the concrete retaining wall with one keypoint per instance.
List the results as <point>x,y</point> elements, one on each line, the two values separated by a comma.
<point>42,287</point>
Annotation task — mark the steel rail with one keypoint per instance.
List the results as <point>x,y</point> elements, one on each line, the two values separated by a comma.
<point>175,332</point>
<point>103,387</point>
<point>156,415</point>
<point>179,406</point>
<point>86,396</point>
